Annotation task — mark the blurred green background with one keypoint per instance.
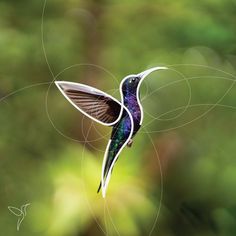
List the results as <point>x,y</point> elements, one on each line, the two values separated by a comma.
<point>179,177</point>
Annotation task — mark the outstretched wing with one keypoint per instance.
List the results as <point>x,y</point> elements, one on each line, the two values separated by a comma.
<point>92,102</point>
<point>15,211</point>
<point>121,134</point>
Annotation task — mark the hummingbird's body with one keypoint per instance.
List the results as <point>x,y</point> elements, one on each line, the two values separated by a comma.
<point>122,129</point>
<point>125,116</point>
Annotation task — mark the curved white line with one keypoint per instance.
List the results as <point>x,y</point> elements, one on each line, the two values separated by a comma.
<point>143,75</point>
<point>10,208</point>
<point>94,89</point>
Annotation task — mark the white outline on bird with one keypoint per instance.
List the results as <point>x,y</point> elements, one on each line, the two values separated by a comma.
<point>125,116</point>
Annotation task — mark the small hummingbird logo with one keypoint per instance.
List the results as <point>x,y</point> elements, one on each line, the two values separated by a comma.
<point>125,116</point>
<point>21,213</point>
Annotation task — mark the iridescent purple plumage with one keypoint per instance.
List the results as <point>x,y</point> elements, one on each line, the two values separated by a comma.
<point>129,90</point>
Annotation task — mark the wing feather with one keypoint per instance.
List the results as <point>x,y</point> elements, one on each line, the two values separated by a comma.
<point>92,102</point>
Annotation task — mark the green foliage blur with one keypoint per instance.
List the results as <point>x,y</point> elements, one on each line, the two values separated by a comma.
<point>179,177</point>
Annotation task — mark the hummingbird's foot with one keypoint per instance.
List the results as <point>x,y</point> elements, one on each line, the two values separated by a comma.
<point>129,144</point>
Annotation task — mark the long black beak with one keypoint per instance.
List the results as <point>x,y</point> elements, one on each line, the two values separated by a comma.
<point>145,73</point>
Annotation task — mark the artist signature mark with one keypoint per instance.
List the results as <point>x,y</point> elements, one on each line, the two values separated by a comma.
<point>20,213</point>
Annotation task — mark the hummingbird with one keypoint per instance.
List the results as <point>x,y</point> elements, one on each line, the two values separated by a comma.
<point>125,116</point>
<point>20,212</point>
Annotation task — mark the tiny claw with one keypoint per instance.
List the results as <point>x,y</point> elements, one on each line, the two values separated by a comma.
<point>129,144</point>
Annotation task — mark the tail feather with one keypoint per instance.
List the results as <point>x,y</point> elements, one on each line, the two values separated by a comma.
<point>100,185</point>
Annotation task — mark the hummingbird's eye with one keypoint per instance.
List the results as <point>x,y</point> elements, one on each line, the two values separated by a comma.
<point>133,79</point>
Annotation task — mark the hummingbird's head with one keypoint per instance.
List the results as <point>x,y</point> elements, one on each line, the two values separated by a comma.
<point>131,83</point>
